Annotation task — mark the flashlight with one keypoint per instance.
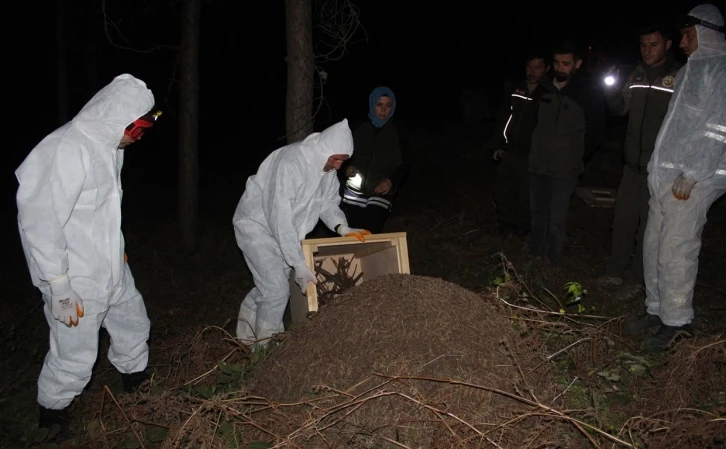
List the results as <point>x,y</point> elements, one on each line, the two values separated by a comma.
<point>356,181</point>
<point>609,80</point>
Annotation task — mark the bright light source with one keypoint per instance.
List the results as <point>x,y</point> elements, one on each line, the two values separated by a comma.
<point>609,80</point>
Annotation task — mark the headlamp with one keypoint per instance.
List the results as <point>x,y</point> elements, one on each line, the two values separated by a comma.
<point>686,21</point>
<point>137,128</point>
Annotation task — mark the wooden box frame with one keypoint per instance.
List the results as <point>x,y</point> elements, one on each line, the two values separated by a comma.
<point>379,254</point>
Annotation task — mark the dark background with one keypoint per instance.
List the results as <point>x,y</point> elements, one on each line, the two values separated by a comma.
<point>428,54</point>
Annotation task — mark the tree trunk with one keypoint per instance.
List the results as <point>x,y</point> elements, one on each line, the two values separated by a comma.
<point>61,66</point>
<point>300,69</point>
<point>188,180</point>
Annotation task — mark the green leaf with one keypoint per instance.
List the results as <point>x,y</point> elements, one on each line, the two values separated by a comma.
<point>226,428</point>
<point>224,367</point>
<point>637,369</point>
<point>225,379</point>
<point>237,368</point>
<point>609,376</point>
<point>156,434</point>
<point>205,392</point>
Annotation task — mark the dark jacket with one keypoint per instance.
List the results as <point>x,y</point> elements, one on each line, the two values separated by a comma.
<point>645,96</point>
<point>570,127</point>
<point>516,120</point>
<point>377,156</point>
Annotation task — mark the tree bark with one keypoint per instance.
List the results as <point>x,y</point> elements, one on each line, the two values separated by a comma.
<point>300,69</point>
<point>61,65</point>
<point>188,180</point>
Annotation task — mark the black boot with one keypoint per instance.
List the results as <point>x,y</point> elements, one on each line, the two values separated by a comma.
<point>642,323</point>
<point>57,422</point>
<point>132,381</point>
<point>665,336</point>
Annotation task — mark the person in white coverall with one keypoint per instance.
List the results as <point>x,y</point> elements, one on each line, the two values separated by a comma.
<point>69,218</point>
<point>686,174</point>
<point>294,187</point>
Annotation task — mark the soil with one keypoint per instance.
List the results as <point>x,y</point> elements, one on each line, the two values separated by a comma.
<point>443,324</point>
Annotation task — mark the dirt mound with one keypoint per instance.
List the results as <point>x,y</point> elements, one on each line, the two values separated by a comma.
<point>411,360</point>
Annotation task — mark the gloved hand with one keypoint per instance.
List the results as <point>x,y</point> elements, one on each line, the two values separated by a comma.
<point>345,231</point>
<point>682,187</point>
<point>303,276</point>
<point>65,304</point>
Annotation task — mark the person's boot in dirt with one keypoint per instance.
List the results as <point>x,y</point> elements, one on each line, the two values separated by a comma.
<point>57,422</point>
<point>662,339</point>
<point>641,323</point>
<point>132,381</point>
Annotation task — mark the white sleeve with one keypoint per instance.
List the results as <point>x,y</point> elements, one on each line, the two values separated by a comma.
<point>707,144</point>
<point>277,197</point>
<point>46,198</point>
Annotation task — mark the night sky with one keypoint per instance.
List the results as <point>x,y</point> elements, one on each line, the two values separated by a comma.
<point>427,54</point>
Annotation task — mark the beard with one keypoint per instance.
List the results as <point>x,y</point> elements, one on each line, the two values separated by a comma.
<point>561,77</point>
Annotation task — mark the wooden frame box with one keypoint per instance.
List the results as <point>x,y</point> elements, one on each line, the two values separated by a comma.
<point>379,254</point>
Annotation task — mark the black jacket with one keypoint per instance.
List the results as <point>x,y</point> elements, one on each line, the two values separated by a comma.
<point>570,128</point>
<point>516,120</point>
<point>645,96</point>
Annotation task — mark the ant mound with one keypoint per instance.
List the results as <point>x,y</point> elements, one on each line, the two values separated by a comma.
<point>407,361</point>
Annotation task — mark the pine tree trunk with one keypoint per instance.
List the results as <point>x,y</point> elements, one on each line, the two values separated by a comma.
<point>188,181</point>
<point>300,69</point>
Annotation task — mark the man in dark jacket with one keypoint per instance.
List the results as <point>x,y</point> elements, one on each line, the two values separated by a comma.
<point>644,96</point>
<point>515,123</point>
<point>570,127</point>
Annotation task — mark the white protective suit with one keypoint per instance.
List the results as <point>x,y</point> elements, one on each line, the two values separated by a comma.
<point>281,204</point>
<point>69,216</point>
<point>692,142</point>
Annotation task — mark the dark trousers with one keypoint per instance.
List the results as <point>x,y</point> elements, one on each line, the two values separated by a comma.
<point>371,218</point>
<point>512,192</point>
<point>549,202</point>
<point>630,218</point>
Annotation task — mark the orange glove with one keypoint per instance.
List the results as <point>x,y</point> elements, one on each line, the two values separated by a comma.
<point>345,231</point>
<point>126,258</point>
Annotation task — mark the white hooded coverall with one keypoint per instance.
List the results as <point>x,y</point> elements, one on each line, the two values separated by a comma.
<point>69,217</point>
<point>692,141</point>
<point>281,204</point>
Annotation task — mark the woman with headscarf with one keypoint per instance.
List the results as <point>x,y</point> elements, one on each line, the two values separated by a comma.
<point>376,169</point>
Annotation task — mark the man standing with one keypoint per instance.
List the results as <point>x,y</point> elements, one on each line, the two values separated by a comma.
<point>515,124</point>
<point>69,216</point>
<point>645,96</point>
<point>686,174</point>
<point>570,127</point>
<point>294,187</point>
